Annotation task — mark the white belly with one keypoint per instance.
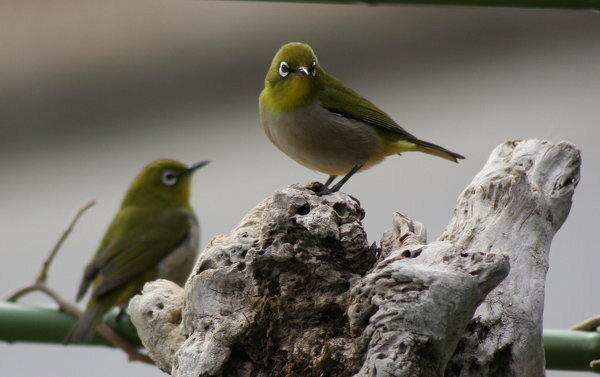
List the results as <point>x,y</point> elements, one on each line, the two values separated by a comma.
<point>321,140</point>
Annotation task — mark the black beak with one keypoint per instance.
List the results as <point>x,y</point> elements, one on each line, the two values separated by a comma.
<point>193,167</point>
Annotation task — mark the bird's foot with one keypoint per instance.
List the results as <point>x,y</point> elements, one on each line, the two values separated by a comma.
<point>321,190</point>
<point>326,191</point>
<point>356,200</point>
<point>315,187</point>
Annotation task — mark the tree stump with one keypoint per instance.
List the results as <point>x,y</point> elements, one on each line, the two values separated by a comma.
<point>296,289</point>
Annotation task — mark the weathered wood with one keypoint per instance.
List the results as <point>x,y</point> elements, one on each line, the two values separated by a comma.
<point>156,314</point>
<point>296,290</point>
<point>414,305</point>
<point>515,204</point>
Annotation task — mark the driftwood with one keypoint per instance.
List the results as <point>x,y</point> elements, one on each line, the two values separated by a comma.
<point>296,289</point>
<point>515,204</point>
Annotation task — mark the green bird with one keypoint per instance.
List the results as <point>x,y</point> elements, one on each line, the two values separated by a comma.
<point>154,235</point>
<point>322,124</point>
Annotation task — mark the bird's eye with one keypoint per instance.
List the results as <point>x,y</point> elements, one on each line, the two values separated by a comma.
<point>169,177</point>
<point>284,69</point>
<point>313,69</point>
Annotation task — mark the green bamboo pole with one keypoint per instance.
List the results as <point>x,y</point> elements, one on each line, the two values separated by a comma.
<point>29,323</point>
<point>565,349</point>
<point>548,4</point>
<point>571,350</point>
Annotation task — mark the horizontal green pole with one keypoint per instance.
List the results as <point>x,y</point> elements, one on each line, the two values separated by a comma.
<point>29,323</point>
<point>565,349</point>
<point>571,350</point>
<point>548,4</point>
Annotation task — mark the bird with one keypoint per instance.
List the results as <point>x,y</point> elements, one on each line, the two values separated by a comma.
<point>324,125</point>
<point>154,235</point>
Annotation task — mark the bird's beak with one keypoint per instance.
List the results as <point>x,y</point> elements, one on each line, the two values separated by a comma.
<point>302,70</point>
<point>193,167</point>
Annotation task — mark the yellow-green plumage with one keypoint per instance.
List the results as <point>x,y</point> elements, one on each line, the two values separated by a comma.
<point>321,123</point>
<point>153,235</point>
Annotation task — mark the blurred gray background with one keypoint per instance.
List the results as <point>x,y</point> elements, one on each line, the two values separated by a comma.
<point>91,91</point>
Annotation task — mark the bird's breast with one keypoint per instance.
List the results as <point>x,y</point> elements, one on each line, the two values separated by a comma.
<point>178,265</point>
<point>321,140</point>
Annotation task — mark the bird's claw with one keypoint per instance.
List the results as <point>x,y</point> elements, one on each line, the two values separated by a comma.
<point>326,190</point>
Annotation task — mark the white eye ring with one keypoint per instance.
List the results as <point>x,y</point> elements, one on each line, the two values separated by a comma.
<point>313,69</point>
<point>169,177</point>
<point>284,69</point>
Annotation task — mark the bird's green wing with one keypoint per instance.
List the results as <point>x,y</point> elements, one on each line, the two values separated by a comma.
<point>135,242</point>
<point>339,99</point>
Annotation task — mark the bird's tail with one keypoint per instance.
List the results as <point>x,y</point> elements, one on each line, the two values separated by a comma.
<point>84,329</point>
<point>429,148</point>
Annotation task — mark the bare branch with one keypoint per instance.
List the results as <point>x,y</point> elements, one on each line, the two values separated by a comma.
<point>590,324</point>
<point>40,285</point>
<point>43,274</point>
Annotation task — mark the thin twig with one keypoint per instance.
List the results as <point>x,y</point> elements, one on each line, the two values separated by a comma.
<point>16,295</point>
<point>104,330</point>
<point>40,285</point>
<point>43,274</point>
<point>589,324</point>
<point>118,341</point>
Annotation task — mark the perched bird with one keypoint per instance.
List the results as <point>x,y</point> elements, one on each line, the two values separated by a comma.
<point>154,235</point>
<point>322,124</point>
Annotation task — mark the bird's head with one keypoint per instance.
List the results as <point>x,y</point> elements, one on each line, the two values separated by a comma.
<point>294,77</point>
<point>161,183</point>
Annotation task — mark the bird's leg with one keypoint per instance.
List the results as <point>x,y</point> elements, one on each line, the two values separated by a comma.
<point>329,180</point>
<point>339,185</point>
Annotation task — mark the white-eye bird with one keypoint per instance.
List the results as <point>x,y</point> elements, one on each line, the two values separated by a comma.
<point>322,124</point>
<point>154,235</point>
